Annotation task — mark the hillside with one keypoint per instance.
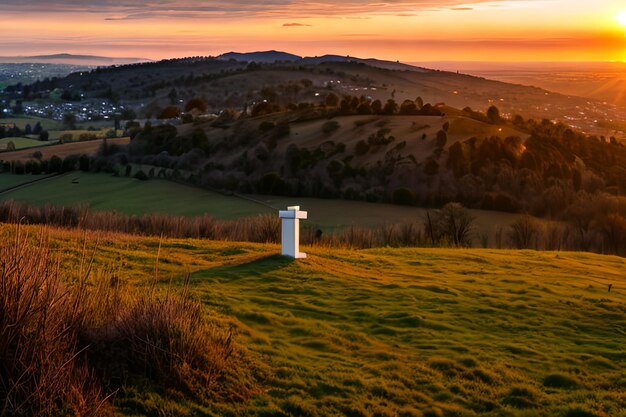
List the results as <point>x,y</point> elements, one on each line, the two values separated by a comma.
<point>70,59</point>
<point>226,82</point>
<point>412,332</point>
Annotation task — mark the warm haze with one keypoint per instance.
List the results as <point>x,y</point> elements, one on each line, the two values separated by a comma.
<point>418,30</point>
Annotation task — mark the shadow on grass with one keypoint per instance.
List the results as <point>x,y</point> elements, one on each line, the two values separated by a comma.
<point>257,267</point>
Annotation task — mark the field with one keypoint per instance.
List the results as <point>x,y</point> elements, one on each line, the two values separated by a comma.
<point>21,143</point>
<point>393,332</point>
<point>127,195</point>
<point>21,122</point>
<point>131,196</point>
<point>61,150</point>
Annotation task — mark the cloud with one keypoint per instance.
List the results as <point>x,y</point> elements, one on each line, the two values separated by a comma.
<point>202,9</point>
<point>289,25</point>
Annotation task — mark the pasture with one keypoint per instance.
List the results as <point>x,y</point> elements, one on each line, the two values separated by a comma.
<point>389,332</point>
<point>127,195</point>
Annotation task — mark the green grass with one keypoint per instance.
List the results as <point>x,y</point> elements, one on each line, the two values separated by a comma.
<point>21,143</point>
<point>8,180</point>
<point>104,192</point>
<point>338,214</point>
<point>21,122</point>
<point>390,332</point>
<point>131,196</point>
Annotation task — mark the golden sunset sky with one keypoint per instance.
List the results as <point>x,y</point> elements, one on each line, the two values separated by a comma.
<point>422,30</point>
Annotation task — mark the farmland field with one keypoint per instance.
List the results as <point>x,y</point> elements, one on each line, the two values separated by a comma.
<point>62,150</point>
<point>131,196</point>
<point>9,181</point>
<point>21,122</point>
<point>21,143</point>
<point>389,332</point>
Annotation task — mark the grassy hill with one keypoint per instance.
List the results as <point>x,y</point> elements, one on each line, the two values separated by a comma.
<point>388,332</point>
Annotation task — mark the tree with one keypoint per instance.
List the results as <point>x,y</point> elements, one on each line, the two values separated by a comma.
<point>56,164</point>
<point>173,95</point>
<point>403,196</point>
<point>452,224</point>
<point>408,107</point>
<point>10,146</point>
<point>28,130</point>
<point>197,103</point>
<point>44,135</point>
<point>37,129</point>
<point>128,114</point>
<point>69,121</point>
<point>441,140</point>
<point>332,100</point>
<point>493,115</point>
<point>523,232</point>
<point>170,112</point>
<point>377,107</point>
<point>391,107</point>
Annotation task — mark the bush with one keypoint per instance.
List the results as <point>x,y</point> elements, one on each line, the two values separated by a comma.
<point>56,337</point>
<point>140,175</point>
<point>41,374</point>
<point>197,103</point>
<point>403,196</point>
<point>330,127</point>
<point>170,112</point>
<point>266,126</point>
<point>361,147</point>
<point>452,225</point>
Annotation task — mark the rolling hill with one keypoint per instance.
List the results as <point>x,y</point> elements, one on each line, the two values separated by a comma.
<point>411,332</point>
<point>70,59</point>
<point>232,81</point>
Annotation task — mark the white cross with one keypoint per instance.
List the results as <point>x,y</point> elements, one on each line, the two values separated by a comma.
<point>291,231</point>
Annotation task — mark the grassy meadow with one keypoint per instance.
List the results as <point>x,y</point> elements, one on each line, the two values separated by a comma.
<point>389,332</point>
<point>21,143</point>
<point>127,195</point>
<point>104,192</point>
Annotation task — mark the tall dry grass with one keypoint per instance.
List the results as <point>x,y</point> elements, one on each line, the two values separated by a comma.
<point>262,228</point>
<point>68,341</point>
<point>41,373</point>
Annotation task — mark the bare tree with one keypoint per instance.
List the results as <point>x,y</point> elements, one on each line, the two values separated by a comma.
<point>452,224</point>
<point>523,232</point>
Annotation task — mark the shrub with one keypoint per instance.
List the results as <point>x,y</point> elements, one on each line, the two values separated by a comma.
<point>55,337</point>
<point>41,375</point>
<point>170,112</point>
<point>140,175</point>
<point>330,127</point>
<point>403,196</point>
<point>361,147</point>
<point>266,126</point>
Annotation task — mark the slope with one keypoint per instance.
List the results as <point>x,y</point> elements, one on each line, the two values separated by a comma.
<point>411,332</point>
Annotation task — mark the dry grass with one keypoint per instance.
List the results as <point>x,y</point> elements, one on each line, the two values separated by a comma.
<point>69,341</point>
<point>40,370</point>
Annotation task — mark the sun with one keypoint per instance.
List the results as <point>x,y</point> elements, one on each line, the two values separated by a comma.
<point>621,18</point>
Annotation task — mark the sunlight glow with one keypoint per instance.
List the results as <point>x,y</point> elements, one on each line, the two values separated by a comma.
<point>621,18</point>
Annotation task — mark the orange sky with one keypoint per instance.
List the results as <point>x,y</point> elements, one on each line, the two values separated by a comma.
<point>419,30</point>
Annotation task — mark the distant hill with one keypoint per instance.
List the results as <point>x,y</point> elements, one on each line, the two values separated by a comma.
<point>279,56</point>
<point>261,57</point>
<point>70,59</point>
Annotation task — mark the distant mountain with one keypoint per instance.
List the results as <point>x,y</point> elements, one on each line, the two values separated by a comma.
<point>261,56</point>
<point>276,56</point>
<point>70,59</point>
<point>372,62</point>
